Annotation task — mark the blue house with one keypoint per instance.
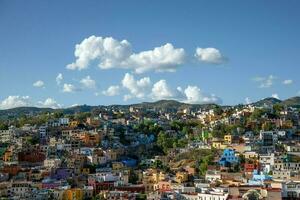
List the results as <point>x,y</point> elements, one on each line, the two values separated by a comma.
<point>228,158</point>
<point>129,162</point>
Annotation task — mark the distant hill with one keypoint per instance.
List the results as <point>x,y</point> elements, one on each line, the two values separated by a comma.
<point>270,101</point>
<point>166,105</point>
<point>16,112</point>
<point>29,111</point>
<point>172,105</point>
<point>77,109</point>
<point>293,102</point>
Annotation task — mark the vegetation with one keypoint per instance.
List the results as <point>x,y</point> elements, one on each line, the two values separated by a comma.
<point>148,127</point>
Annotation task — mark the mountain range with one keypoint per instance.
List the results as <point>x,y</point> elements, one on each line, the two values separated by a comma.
<point>170,105</point>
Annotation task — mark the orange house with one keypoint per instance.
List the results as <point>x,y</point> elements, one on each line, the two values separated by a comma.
<point>73,193</point>
<point>7,155</point>
<point>12,170</point>
<point>90,139</point>
<point>162,186</point>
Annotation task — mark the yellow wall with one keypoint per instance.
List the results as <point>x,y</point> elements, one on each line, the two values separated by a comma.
<point>72,194</point>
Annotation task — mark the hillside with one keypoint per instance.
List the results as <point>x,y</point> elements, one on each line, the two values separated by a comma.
<point>172,105</point>
<point>16,112</point>
<point>165,105</point>
<point>270,101</point>
<point>293,102</point>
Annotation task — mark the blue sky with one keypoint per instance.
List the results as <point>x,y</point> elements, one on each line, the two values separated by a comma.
<point>247,49</point>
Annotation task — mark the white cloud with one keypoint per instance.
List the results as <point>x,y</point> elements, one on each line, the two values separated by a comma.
<point>210,55</point>
<point>161,59</point>
<point>276,96</point>
<point>287,82</point>
<point>25,101</point>
<point>15,101</point>
<point>112,90</point>
<point>161,90</point>
<point>49,103</point>
<point>68,88</point>
<point>59,78</point>
<point>107,51</point>
<point>143,88</point>
<point>194,95</point>
<point>111,53</point>
<point>88,82</point>
<point>265,82</point>
<point>137,88</point>
<point>248,100</point>
<point>38,83</point>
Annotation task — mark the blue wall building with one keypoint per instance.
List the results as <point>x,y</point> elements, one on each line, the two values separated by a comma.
<point>228,158</point>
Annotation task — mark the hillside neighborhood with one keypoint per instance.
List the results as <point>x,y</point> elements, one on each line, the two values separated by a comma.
<point>161,150</point>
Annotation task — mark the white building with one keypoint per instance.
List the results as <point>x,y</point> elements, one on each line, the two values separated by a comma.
<point>5,136</point>
<point>213,194</point>
<point>52,163</point>
<point>291,190</point>
<point>205,194</point>
<point>20,189</point>
<point>43,131</point>
<point>63,121</point>
<point>212,175</point>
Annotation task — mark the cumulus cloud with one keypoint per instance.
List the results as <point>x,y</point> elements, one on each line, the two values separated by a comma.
<point>287,82</point>
<point>210,55</point>
<point>112,91</point>
<point>59,78</point>
<point>25,101</point>
<point>68,88</point>
<point>276,96</point>
<point>161,59</point>
<point>161,90</point>
<point>107,51</point>
<point>49,103</point>
<point>38,83</point>
<point>194,95</point>
<point>137,88</point>
<point>265,82</point>
<point>111,53</point>
<point>88,82</point>
<point>15,101</point>
<point>143,88</point>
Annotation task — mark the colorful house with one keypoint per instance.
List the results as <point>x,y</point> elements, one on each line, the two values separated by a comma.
<point>73,193</point>
<point>228,158</point>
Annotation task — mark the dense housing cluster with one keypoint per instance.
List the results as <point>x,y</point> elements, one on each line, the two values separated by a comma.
<point>162,150</point>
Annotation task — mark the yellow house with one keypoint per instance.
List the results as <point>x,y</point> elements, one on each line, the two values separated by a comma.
<point>112,155</point>
<point>73,123</point>
<point>148,184</point>
<point>73,193</point>
<point>150,178</point>
<point>117,165</point>
<point>218,144</point>
<point>7,157</point>
<point>156,177</point>
<point>181,177</point>
<point>85,170</point>
<point>228,139</point>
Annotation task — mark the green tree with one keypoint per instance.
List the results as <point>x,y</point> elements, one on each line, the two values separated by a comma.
<point>3,126</point>
<point>164,141</point>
